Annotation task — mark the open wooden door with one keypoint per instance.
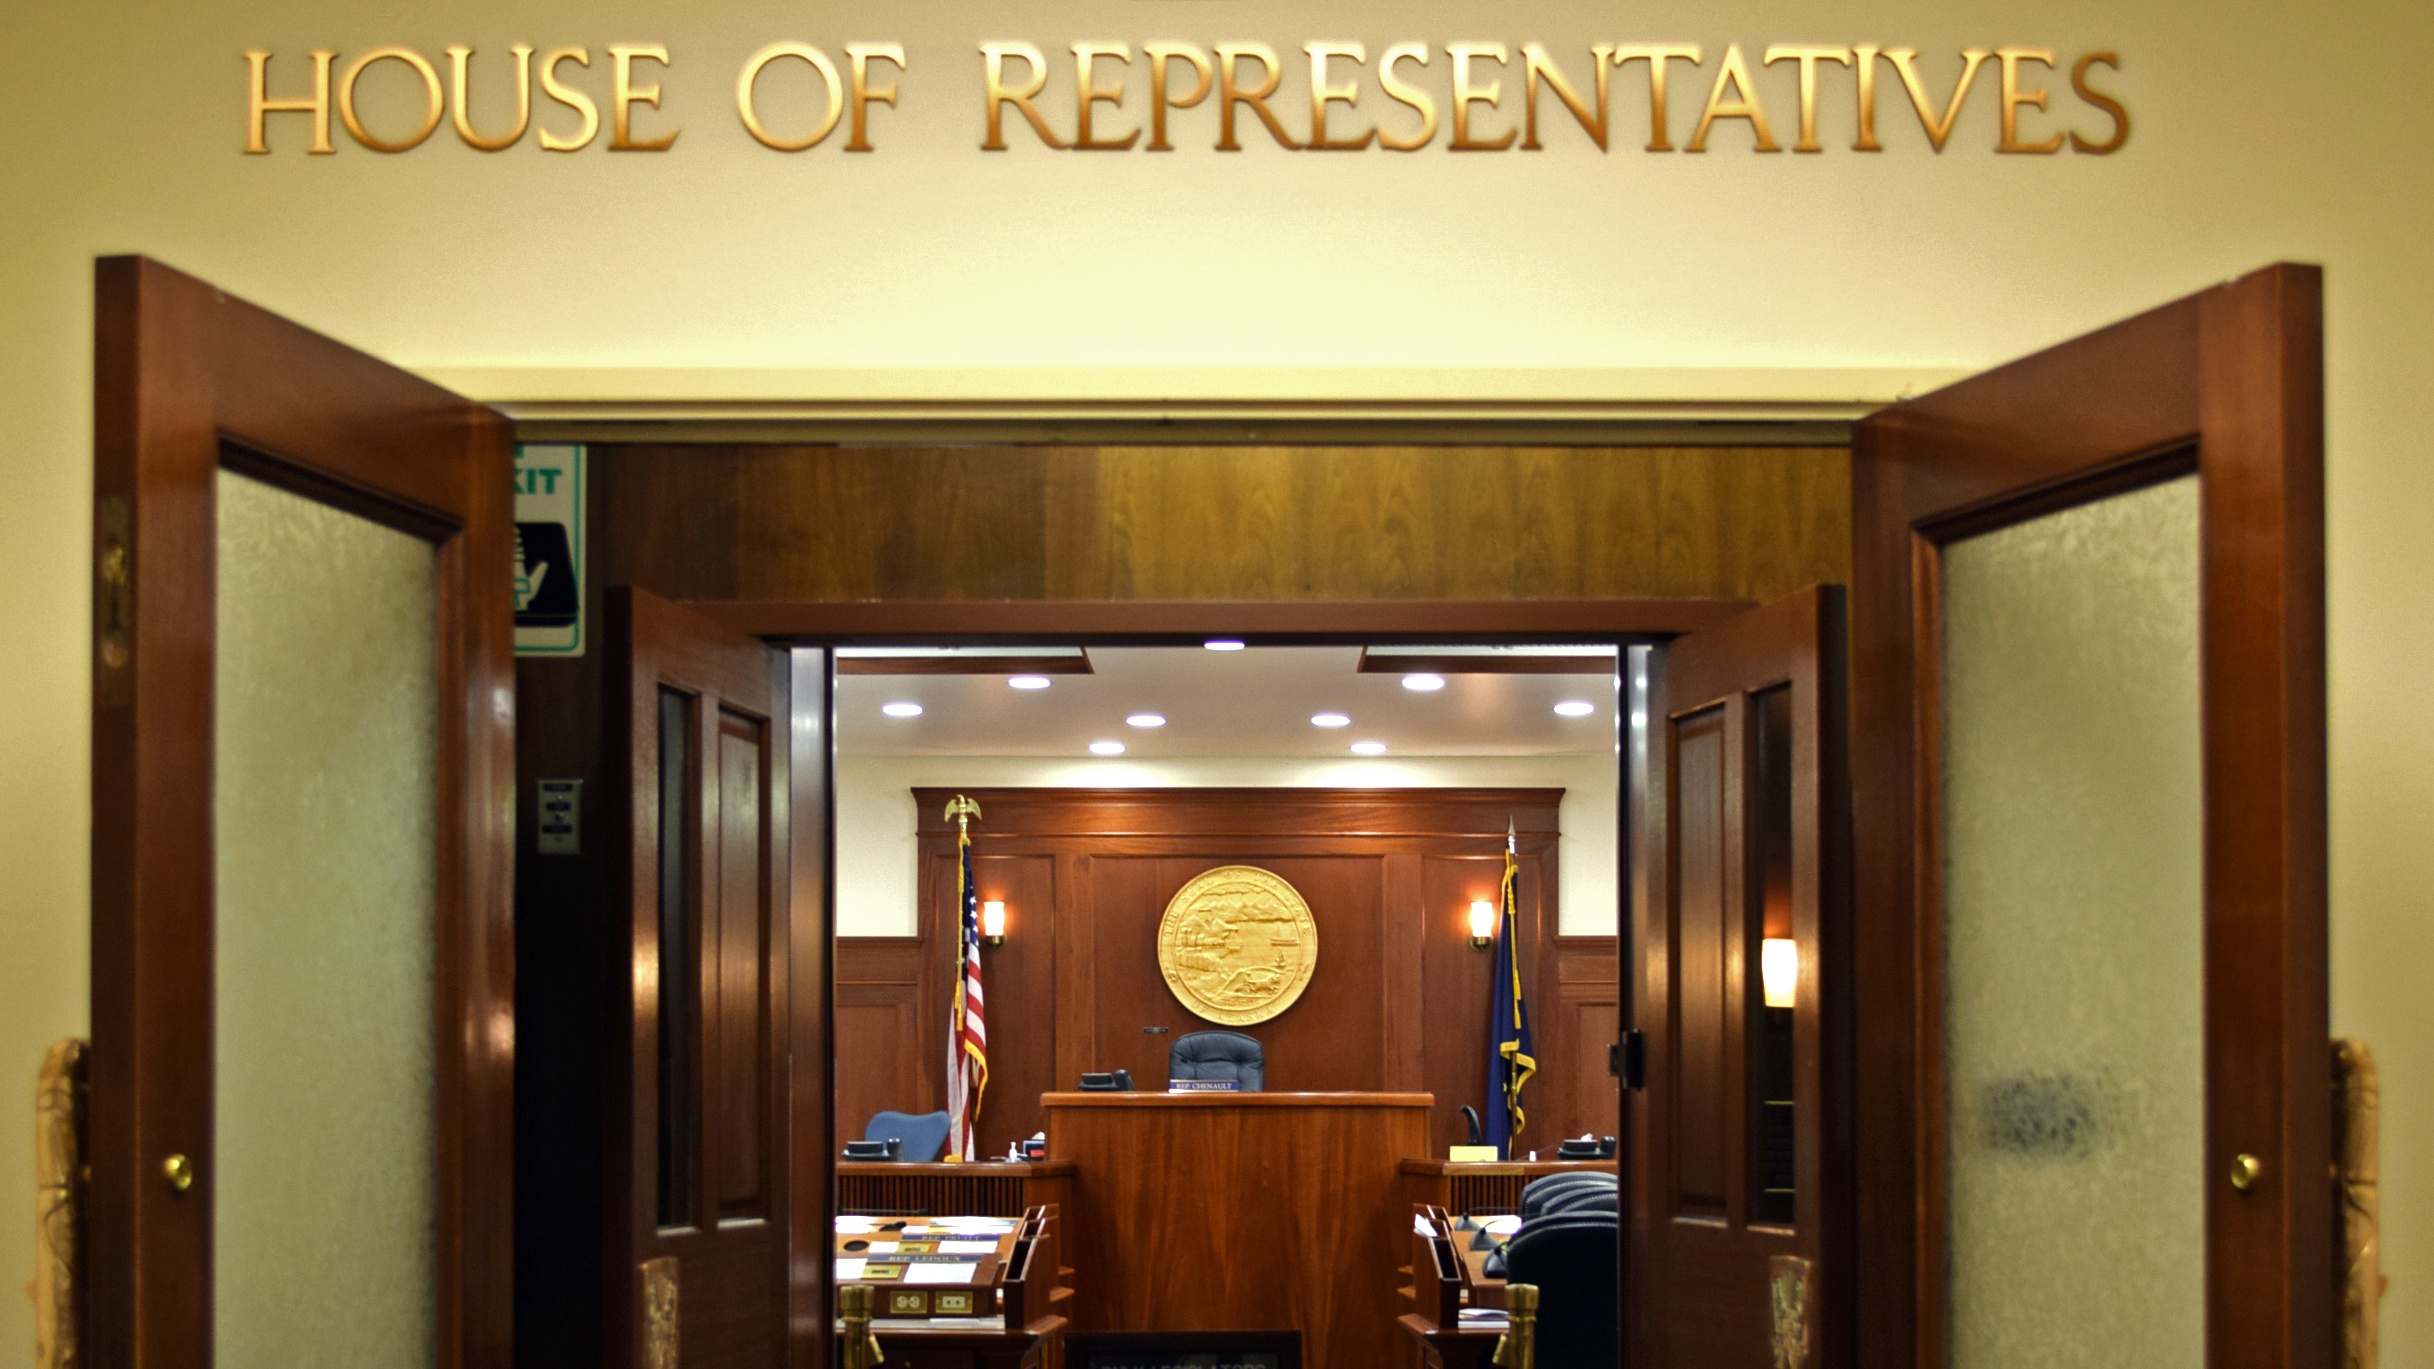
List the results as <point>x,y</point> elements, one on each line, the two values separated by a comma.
<point>302,979</point>
<point>1742,1136</point>
<point>719,1173</point>
<point>2089,731</point>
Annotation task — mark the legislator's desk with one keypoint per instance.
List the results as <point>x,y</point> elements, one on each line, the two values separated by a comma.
<point>982,1188</point>
<point>1481,1188</point>
<point>1245,1211</point>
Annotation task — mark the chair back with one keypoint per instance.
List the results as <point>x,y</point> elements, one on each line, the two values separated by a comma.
<point>1219,1055</point>
<point>1543,1190</point>
<point>923,1134</point>
<point>1575,1259</point>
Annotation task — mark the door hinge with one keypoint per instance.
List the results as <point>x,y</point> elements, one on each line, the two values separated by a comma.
<point>1627,1059</point>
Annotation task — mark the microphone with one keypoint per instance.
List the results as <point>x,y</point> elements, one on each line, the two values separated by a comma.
<point>1470,1118</point>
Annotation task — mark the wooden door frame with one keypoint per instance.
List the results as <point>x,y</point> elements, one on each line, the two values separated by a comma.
<point>826,625</point>
<point>187,380</point>
<point>2230,384</point>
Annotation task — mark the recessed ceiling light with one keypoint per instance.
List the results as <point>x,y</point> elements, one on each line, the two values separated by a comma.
<point>1223,644</point>
<point>901,710</point>
<point>1424,684</point>
<point>1369,748</point>
<point>1576,708</point>
<point>1329,720</point>
<point>1147,720</point>
<point>1107,748</point>
<point>1029,682</point>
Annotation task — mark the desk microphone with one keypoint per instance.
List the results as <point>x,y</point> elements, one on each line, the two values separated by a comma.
<point>1470,1118</point>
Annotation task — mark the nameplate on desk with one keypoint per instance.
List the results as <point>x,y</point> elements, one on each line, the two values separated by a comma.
<point>1469,1155</point>
<point>1204,1086</point>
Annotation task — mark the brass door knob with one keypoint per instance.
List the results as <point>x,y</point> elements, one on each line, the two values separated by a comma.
<point>2245,1171</point>
<point>179,1171</point>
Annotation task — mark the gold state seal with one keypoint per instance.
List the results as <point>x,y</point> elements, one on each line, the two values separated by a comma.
<point>1237,945</point>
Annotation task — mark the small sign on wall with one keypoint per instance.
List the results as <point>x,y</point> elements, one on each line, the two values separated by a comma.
<point>549,550</point>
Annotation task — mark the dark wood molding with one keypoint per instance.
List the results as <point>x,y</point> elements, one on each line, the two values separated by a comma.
<point>1273,623</point>
<point>188,379</point>
<point>2228,383</point>
<point>1451,663</point>
<point>965,665</point>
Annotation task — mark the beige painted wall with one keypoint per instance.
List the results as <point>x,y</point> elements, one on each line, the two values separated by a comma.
<point>2265,130</point>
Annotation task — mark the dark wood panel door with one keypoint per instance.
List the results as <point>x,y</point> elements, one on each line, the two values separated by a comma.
<point>2210,409</point>
<point>301,642</point>
<point>701,1207</point>
<point>1743,1140</point>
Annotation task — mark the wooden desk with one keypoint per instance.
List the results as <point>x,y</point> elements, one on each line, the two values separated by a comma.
<point>986,1188</point>
<point>1489,1188</point>
<point>1242,1211</point>
<point>919,1345</point>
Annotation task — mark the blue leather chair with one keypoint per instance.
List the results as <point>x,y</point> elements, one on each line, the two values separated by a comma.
<point>1543,1191</point>
<point>923,1135</point>
<point>1575,1259</point>
<point>1219,1055</point>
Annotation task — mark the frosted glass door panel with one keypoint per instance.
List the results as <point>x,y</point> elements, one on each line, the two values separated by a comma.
<point>2074,1032</point>
<point>325,737</point>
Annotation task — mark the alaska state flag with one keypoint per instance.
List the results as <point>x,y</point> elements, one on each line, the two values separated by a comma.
<point>1511,1060</point>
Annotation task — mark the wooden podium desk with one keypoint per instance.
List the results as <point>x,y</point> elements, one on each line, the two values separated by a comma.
<point>1242,1211</point>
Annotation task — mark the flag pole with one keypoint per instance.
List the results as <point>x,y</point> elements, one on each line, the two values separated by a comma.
<point>960,811</point>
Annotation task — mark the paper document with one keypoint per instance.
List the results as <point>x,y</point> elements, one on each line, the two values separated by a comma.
<point>958,1272</point>
<point>849,1270</point>
<point>967,1247</point>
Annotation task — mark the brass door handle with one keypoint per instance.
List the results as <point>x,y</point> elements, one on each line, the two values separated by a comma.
<point>2246,1170</point>
<point>179,1171</point>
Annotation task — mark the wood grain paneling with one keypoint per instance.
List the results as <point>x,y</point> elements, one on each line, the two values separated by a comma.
<point>1254,523</point>
<point>1398,1002</point>
<point>1242,1212</point>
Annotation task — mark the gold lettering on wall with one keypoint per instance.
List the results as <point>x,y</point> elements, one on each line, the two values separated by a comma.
<point>1089,94</point>
<point>434,104</point>
<point>1230,93</point>
<point>258,103</point>
<point>570,97</point>
<point>629,95</point>
<point>2111,106</point>
<point>1353,103</point>
<point>2014,97</point>
<point>864,93</point>
<point>994,56</point>
<point>1323,94</point>
<point>1467,93</point>
<point>1905,64</point>
<point>1160,101</point>
<point>1537,66</point>
<point>1405,93</point>
<point>459,58</point>
<point>1733,73</point>
<point>747,99</point>
<point>1808,56</point>
<point>1656,55</point>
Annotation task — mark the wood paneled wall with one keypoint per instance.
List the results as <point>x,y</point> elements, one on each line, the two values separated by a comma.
<point>1074,522</point>
<point>1399,1001</point>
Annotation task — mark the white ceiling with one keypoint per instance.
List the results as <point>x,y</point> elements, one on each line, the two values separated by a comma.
<point>1255,702</point>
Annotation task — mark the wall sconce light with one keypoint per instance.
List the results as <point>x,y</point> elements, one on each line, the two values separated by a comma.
<point>1779,969</point>
<point>1483,923</point>
<point>993,923</point>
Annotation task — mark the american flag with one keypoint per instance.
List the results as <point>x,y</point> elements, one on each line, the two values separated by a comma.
<point>967,1034</point>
